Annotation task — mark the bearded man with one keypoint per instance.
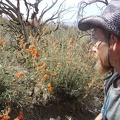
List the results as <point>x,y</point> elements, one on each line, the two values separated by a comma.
<point>106,46</point>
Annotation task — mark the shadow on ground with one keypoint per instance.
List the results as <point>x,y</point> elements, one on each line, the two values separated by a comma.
<point>63,111</point>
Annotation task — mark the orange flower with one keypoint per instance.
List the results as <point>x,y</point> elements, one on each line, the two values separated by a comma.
<point>38,68</point>
<point>20,116</point>
<point>40,80</point>
<point>16,119</point>
<point>20,74</point>
<point>32,47</point>
<point>42,71</point>
<point>15,92</point>
<point>37,55</point>
<point>9,110</point>
<point>12,83</point>
<point>32,51</point>
<point>92,82</point>
<point>31,36</point>
<point>5,117</point>
<point>53,75</point>
<point>1,41</point>
<point>27,50</point>
<point>16,77</point>
<point>44,65</point>
<point>59,64</point>
<point>49,85</point>
<point>46,76</point>
<point>4,43</point>
<point>50,88</point>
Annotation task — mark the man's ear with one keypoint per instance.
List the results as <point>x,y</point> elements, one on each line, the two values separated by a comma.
<point>114,42</point>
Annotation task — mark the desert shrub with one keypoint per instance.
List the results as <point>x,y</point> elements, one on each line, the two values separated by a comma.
<point>51,70</point>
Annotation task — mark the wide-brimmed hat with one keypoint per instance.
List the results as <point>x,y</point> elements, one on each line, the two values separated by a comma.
<point>109,19</point>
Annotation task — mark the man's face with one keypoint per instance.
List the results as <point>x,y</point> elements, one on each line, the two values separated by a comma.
<point>100,48</point>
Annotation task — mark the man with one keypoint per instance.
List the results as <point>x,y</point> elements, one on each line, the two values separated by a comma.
<point>106,45</point>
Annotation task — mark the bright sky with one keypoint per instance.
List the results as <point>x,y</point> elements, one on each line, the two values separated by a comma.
<point>67,4</point>
<point>90,10</point>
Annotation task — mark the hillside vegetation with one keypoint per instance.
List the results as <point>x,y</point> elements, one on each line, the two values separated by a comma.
<point>50,77</point>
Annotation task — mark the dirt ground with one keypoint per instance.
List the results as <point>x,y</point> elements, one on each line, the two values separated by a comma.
<point>64,111</point>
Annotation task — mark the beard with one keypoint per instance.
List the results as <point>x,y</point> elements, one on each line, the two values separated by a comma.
<point>101,67</point>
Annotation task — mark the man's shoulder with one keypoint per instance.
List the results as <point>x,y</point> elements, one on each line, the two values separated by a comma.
<point>113,75</point>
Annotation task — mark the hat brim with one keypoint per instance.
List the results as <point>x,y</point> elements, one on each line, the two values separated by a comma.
<point>92,22</point>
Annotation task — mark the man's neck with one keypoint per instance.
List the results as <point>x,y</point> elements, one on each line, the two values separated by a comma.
<point>117,70</point>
